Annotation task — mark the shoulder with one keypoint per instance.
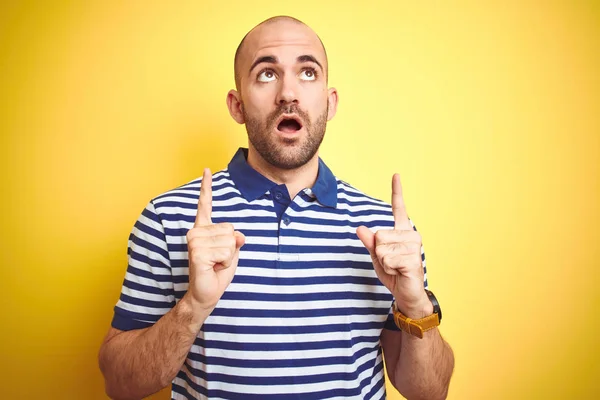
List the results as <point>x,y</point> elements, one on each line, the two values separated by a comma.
<point>366,209</point>
<point>183,199</point>
<point>348,194</point>
<point>351,198</point>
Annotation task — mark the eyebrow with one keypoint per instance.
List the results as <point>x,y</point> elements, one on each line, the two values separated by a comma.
<point>273,60</point>
<point>264,59</point>
<point>309,58</point>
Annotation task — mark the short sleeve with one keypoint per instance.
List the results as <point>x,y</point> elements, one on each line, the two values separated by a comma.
<point>147,292</point>
<point>389,323</point>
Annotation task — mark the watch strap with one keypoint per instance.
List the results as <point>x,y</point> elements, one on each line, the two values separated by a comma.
<point>416,327</point>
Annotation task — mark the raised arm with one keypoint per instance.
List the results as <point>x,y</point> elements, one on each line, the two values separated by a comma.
<point>140,362</point>
<point>418,368</point>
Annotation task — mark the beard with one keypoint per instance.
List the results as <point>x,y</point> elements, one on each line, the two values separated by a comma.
<point>286,153</point>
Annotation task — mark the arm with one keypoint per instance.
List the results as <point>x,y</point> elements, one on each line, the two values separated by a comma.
<point>140,362</point>
<point>418,368</point>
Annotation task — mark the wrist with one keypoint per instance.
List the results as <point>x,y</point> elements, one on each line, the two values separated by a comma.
<point>193,312</point>
<point>421,309</point>
<point>418,317</point>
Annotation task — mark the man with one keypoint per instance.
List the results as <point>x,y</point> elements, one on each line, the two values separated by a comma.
<point>266,280</point>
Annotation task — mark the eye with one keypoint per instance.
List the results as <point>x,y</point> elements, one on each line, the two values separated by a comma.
<point>308,74</point>
<point>266,76</point>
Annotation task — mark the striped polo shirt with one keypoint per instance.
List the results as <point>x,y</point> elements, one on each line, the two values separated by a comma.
<point>303,315</point>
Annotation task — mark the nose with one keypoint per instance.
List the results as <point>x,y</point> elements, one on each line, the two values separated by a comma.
<point>288,91</point>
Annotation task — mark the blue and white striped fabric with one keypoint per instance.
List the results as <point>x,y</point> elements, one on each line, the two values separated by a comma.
<point>303,315</point>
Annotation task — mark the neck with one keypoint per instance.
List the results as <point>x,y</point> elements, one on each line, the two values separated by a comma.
<point>295,180</point>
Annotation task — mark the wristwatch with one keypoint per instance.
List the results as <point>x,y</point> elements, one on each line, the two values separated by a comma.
<point>417,327</point>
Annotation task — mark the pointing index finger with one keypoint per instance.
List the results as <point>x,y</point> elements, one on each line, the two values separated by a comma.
<point>203,216</point>
<point>398,207</point>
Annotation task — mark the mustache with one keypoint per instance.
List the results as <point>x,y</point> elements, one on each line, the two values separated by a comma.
<point>288,109</point>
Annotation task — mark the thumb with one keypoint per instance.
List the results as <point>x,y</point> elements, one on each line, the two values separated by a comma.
<point>367,238</point>
<point>240,239</point>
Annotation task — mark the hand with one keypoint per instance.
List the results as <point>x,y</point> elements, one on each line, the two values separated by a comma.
<point>213,252</point>
<point>396,255</point>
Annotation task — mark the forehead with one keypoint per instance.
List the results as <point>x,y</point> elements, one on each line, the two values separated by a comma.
<point>281,39</point>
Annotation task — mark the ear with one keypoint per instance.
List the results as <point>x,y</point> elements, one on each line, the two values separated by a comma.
<point>332,96</point>
<point>234,104</point>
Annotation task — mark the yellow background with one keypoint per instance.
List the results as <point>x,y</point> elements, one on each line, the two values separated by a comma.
<point>489,110</point>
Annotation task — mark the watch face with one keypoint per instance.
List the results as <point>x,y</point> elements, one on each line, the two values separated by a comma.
<point>436,306</point>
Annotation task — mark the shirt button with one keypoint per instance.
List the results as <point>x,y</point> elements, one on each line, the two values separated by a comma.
<point>278,196</point>
<point>286,220</point>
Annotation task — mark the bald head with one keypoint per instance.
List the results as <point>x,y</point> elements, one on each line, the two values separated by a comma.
<point>255,38</point>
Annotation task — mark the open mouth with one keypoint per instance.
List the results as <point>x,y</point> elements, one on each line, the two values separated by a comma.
<point>289,124</point>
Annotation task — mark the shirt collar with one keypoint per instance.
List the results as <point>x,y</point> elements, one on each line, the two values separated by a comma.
<point>252,184</point>
<point>325,188</point>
